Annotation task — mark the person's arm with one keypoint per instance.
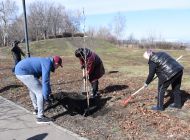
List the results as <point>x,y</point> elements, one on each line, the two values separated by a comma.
<point>90,63</point>
<point>23,54</point>
<point>46,88</point>
<point>82,63</point>
<point>152,71</point>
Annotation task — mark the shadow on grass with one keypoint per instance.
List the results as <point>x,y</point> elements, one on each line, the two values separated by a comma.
<point>9,87</point>
<point>184,97</point>
<point>75,103</point>
<point>112,88</point>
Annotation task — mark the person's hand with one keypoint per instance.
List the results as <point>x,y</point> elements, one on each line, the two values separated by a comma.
<point>50,100</point>
<point>145,85</point>
<point>83,67</point>
<point>84,78</point>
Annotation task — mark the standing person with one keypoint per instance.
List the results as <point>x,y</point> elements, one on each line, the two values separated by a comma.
<point>169,72</point>
<point>29,71</point>
<point>16,53</point>
<point>95,67</point>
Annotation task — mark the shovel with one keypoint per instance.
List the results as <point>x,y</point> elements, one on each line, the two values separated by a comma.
<point>84,89</point>
<point>85,92</point>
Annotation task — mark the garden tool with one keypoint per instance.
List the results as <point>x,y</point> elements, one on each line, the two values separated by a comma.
<point>125,101</point>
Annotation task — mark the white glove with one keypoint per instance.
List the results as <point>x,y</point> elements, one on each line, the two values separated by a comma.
<point>145,85</point>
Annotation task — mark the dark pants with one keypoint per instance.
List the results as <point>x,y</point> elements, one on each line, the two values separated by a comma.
<point>16,61</point>
<point>175,82</point>
<point>94,85</point>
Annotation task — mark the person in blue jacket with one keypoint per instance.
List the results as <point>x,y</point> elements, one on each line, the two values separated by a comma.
<point>29,71</point>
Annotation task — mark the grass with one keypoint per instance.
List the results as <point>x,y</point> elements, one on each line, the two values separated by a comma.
<point>125,60</point>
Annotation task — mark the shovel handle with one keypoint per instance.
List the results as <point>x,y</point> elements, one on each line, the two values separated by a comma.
<point>138,91</point>
<point>125,101</point>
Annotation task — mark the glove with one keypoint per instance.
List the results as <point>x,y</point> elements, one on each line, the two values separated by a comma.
<point>145,85</point>
<point>84,78</point>
<point>50,100</point>
<point>83,67</point>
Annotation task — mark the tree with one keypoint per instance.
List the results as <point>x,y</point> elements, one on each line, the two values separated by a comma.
<point>119,25</point>
<point>8,10</point>
<point>73,21</point>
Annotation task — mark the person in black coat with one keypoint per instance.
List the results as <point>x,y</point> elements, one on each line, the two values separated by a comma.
<point>169,72</point>
<point>16,53</point>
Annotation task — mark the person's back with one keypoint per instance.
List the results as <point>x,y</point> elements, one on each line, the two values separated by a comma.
<point>167,66</point>
<point>33,66</point>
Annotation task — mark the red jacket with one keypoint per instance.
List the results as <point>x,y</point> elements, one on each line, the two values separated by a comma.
<point>95,67</point>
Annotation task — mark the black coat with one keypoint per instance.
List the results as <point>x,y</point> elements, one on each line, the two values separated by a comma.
<point>17,52</point>
<point>163,65</point>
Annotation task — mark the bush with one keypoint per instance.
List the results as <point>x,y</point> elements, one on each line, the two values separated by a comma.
<point>59,36</point>
<point>78,35</point>
<point>67,34</point>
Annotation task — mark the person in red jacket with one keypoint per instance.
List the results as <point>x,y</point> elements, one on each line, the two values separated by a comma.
<point>94,65</point>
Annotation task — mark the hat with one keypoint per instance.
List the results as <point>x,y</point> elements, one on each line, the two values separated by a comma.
<point>58,60</point>
<point>16,42</point>
<point>79,52</point>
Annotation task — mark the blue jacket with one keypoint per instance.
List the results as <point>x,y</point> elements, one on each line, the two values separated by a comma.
<point>39,67</point>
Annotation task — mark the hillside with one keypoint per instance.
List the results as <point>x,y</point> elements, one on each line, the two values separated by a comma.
<point>126,71</point>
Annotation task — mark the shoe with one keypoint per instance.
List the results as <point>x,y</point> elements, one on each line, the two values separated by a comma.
<point>44,120</point>
<point>157,108</point>
<point>173,105</point>
<point>35,112</point>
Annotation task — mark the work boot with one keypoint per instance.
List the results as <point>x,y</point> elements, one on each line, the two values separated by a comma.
<point>173,105</point>
<point>44,120</point>
<point>95,88</point>
<point>157,108</point>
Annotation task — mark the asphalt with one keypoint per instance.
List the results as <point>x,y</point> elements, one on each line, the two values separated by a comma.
<point>17,123</point>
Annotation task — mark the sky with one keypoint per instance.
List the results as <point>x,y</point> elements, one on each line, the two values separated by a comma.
<point>163,19</point>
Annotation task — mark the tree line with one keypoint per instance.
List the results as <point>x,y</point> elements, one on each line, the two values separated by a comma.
<point>47,20</point>
<point>44,19</point>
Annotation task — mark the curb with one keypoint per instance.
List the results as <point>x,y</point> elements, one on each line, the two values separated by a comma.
<point>78,137</point>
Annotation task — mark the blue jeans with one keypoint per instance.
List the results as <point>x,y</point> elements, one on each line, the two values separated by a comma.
<point>35,91</point>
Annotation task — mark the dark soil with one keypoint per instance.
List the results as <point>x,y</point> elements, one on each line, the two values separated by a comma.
<point>106,118</point>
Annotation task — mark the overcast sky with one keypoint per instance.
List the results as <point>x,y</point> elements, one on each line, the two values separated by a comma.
<point>169,19</point>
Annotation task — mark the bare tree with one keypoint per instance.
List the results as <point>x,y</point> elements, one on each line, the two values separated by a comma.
<point>8,12</point>
<point>119,25</point>
<point>73,21</point>
<point>17,29</point>
<point>39,19</point>
<point>103,33</point>
<point>56,22</point>
<point>91,32</point>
